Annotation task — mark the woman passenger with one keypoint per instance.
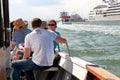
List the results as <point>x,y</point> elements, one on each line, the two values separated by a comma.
<point>52,25</point>
<point>19,32</point>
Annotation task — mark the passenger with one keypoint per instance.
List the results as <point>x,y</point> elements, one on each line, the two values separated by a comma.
<point>20,31</point>
<point>40,41</point>
<point>52,25</point>
<point>44,25</point>
<point>26,23</point>
<point>18,36</point>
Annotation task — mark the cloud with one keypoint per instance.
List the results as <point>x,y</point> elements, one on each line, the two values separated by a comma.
<point>16,1</point>
<point>81,7</point>
<point>48,12</point>
<point>29,11</point>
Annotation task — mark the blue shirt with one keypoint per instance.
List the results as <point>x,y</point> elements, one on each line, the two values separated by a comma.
<point>55,43</point>
<point>19,35</point>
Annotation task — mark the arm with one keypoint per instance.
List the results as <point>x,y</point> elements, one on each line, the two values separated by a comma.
<point>59,39</point>
<point>26,53</point>
<point>27,48</point>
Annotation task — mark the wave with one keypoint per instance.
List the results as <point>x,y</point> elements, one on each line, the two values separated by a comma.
<point>106,29</point>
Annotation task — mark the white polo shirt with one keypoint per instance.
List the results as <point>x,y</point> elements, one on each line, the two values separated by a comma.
<point>41,43</point>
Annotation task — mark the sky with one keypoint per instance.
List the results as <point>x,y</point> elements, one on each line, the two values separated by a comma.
<point>49,9</point>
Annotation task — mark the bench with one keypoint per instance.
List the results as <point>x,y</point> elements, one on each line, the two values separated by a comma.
<point>52,69</point>
<point>48,73</point>
<point>43,75</point>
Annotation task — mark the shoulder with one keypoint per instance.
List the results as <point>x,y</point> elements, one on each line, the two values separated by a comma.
<point>26,29</point>
<point>54,34</point>
<point>28,36</point>
<point>15,32</point>
<point>51,32</point>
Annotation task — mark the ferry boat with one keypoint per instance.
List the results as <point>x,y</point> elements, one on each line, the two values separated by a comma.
<point>65,66</point>
<point>110,11</point>
<point>65,18</point>
<point>69,19</point>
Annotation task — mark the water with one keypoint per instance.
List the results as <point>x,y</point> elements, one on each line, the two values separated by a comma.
<point>98,43</point>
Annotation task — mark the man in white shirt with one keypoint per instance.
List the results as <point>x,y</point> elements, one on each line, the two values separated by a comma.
<point>40,41</point>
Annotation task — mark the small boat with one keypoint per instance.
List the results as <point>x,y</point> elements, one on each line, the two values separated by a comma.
<point>65,66</point>
<point>65,18</point>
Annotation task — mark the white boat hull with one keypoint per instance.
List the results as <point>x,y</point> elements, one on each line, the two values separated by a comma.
<point>68,68</point>
<point>107,18</point>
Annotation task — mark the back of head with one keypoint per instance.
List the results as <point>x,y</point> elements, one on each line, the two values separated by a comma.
<point>44,24</point>
<point>36,22</point>
<point>26,23</point>
<point>19,23</point>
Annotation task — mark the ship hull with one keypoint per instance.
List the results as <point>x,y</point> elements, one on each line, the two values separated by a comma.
<point>109,12</point>
<point>107,18</point>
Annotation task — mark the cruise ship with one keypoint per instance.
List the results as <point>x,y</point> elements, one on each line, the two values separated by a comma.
<point>106,12</point>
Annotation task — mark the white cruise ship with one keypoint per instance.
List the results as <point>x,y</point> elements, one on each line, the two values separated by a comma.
<point>107,12</point>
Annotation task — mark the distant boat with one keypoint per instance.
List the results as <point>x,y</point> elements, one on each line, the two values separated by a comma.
<point>76,18</point>
<point>65,18</point>
<point>106,12</point>
<point>68,19</point>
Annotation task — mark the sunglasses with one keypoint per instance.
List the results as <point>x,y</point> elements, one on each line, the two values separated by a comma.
<point>51,24</point>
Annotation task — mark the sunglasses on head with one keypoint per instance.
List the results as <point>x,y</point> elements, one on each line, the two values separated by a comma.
<point>51,24</point>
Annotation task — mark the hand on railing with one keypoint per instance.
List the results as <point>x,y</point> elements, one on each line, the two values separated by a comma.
<point>68,48</point>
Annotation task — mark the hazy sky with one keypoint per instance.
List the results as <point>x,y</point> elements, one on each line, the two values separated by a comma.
<point>49,9</point>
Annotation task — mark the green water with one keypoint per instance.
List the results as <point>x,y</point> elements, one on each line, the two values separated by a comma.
<point>98,43</point>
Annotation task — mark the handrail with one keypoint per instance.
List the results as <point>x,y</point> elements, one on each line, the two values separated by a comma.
<point>68,48</point>
<point>100,73</point>
<point>4,24</point>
